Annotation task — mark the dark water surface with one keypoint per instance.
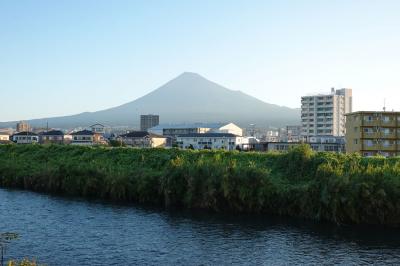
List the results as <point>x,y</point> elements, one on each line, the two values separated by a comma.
<point>61,231</point>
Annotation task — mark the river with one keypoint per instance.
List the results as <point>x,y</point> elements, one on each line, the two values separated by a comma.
<point>64,231</point>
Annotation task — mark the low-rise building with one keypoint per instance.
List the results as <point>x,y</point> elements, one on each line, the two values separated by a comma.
<point>318,147</point>
<point>25,138</point>
<point>4,136</point>
<point>83,137</point>
<point>225,141</point>
<point>373,133</point>
<point>52,136</point>
<point>143,139</point>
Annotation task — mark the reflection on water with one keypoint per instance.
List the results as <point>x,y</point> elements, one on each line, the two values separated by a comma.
<point>60,231</point>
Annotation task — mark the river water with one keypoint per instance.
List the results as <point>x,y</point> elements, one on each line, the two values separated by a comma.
<point>63,231</point>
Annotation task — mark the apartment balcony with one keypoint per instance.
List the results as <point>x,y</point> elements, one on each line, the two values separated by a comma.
<point>371,135</point>
<point>392,147</point>
<point>391,135</point>
<point>375,147</point>
<point>390,123</point>
<point>371,123</point>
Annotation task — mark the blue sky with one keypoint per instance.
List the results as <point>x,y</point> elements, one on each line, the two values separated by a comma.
<point>67,57</point>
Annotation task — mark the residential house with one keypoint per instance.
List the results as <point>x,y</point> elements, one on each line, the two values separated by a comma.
<point>4,136</point>
<point>143,139</point>
<point>25,138</point>
<point>83,137</point>
<point>99,132</point>
<point>52,136</point>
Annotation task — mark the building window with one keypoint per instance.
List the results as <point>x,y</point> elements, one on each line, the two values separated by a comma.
<point>368,118</point>
<point>369,143</point>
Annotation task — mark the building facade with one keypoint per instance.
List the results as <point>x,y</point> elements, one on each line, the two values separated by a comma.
<point>373,133</point>
<point>176,131</point>
<point>52,136</point>
<point>198,141</point>
<point>293,133</point>
<point>318,147</point>
<point>4,137</point>
<point>149,121</point>
<point>324,114</point>
<point>143,139</point>
<point>25,138</point>
<point>23,127</point>
<point>84,137</point>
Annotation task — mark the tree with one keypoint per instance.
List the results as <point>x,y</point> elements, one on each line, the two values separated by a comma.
<point>5,239</point>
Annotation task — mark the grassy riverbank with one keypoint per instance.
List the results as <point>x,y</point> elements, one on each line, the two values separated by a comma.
<point>321,186</point>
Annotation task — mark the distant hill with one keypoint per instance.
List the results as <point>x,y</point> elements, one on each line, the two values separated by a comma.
<point>186,99</point>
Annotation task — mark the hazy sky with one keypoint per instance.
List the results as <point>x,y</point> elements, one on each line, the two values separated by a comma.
<point>66,57</point>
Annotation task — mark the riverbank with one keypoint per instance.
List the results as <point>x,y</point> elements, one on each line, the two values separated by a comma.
<point>344,189</point>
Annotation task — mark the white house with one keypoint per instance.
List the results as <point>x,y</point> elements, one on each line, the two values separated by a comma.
<point>26,138</point>
<point>84,137</point>
<point>4,136</point>
<point>196,141</point>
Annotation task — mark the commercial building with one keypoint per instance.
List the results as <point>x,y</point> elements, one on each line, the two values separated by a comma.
<point>148,121</point>
<point>23,127</point>
<point>197,141</point>
<point>324,114</point>
<point>373,133</point>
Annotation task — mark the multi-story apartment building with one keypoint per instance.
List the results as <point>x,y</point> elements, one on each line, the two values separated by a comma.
<point>23,127</point>
<point>197,141</point>
<point>148,121</point>
<point>372,133</point>
<point>324,114</point>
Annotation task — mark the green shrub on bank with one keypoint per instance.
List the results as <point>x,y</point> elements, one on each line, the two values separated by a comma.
<point>322,186</point>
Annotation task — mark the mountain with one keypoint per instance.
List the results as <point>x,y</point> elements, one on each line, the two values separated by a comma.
<point>185,99</point>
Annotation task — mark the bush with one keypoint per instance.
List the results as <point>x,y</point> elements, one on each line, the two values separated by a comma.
<point>301,183</point>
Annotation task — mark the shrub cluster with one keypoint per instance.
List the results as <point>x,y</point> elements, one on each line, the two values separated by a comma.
<point>323,186</point>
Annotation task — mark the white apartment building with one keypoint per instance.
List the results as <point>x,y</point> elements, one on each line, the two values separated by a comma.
<point>198,141</point>
<point>324,114</point>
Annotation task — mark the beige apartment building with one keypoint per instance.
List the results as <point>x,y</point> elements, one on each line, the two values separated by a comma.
<point>372,133</point>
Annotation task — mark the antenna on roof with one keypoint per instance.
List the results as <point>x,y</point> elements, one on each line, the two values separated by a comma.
<point>384,104</point>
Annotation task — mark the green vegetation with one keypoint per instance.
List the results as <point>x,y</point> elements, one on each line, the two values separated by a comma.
<point>5,239</point>
<point>323,186</point>
<point>24,262</point>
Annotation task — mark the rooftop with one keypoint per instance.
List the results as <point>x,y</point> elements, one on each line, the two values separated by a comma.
<point>52,133</point>
<point>83,132</point>
<point>25,133</point>
<point>140,134</point>
<point>374,112</point>
<point>208,135</point>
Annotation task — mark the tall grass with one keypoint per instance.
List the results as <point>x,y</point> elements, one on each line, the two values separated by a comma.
<point>323,186</point>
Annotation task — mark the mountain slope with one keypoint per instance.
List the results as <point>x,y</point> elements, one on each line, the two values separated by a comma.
<point>187,98</point>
